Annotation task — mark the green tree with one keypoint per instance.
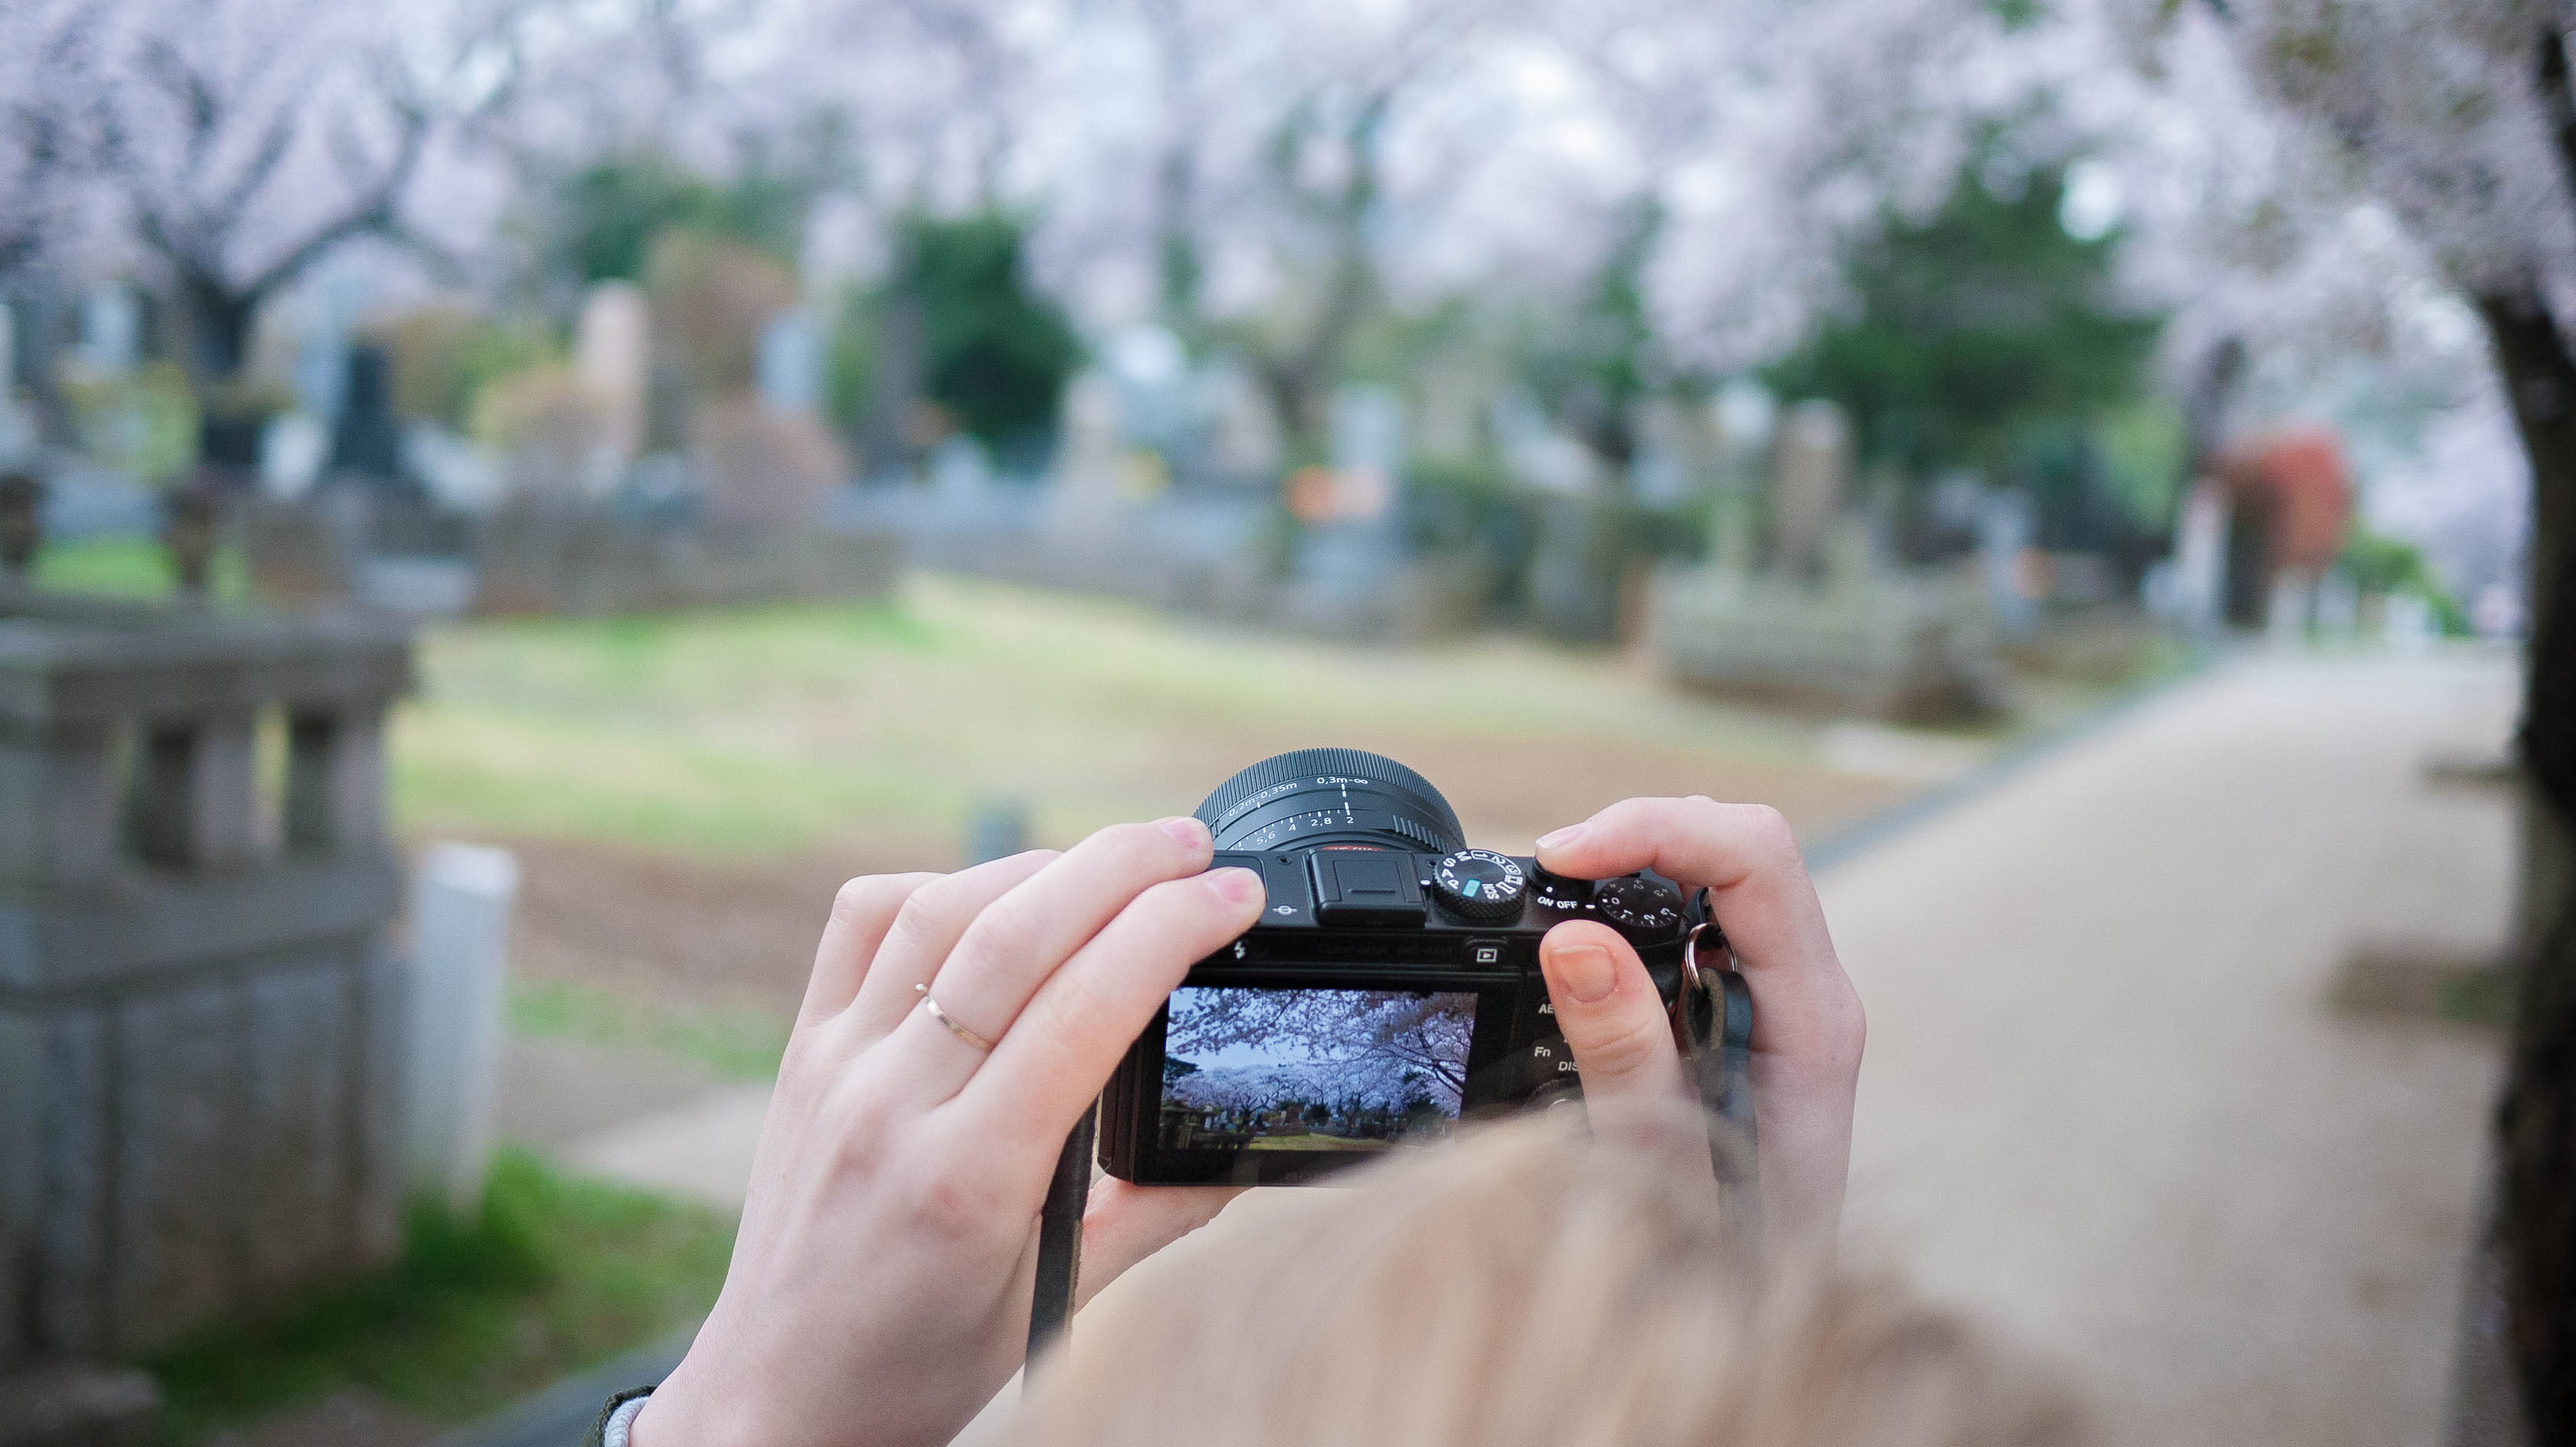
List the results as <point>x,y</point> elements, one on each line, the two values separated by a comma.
<point>605,216</point>
<point>1973,327</point>
<point>609,213</point>
<point>991,351</point>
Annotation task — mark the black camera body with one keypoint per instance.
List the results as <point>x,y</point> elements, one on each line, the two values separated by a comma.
<point>1391,988</point>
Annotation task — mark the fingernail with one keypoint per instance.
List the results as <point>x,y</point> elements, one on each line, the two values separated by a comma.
<point>1585,971</point>
<point>1186,829</point>
<point>1561,837</point>
<point>1235,886</point>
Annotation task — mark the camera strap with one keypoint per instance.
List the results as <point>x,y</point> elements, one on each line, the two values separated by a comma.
<point>1060,1235</point>
<point>1712,1017</point>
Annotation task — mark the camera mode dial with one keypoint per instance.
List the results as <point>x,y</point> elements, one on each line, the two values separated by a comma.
<point>1639,907</point>
<point>1480,885</point>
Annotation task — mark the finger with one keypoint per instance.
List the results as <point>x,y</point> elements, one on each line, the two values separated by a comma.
<point>1747,858</point>
<point>1018,940</point>
<point>1615,1022</point>
<point>862,912</point>
<point>924,930</point>
<point>1125,1223</point>
<point>1059,1053</point>
<point>1611,1015</point>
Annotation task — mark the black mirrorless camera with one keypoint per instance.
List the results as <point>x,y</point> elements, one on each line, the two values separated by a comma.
<point>1391,988</point>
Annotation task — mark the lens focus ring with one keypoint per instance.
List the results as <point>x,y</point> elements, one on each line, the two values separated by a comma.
<point>1320,797</point>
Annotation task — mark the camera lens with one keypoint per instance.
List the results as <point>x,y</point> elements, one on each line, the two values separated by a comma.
<point>1330,798</point>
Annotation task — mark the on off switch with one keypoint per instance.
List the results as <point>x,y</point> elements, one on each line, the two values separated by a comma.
<point>1557,891</point>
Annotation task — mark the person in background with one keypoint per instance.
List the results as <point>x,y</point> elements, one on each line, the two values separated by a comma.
<point>881,1279</point>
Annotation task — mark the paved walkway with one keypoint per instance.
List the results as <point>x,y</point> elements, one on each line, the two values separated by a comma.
<point>2106,1102</point>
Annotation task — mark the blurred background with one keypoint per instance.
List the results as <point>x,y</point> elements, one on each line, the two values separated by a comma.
<point>506,503</point>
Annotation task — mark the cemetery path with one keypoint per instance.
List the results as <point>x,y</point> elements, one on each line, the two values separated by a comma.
<point>2109,1103</point>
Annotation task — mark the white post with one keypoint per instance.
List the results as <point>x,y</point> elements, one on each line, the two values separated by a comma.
<point>461,899</point>
<point>2200,560</point>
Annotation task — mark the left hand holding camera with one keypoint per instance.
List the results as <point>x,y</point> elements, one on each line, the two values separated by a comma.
<point>881,1280</point>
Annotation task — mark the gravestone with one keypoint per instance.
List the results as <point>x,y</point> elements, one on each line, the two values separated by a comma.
<point>1152,373</point>
<point>1088,461</point>
<point>2005,531</point>
<point>1245,444</point>
<point>960,470</point>
<point>199,1019</point>
<point>111,330</point>
<point>1807,485</point>
<point>613,353</point>
<point>789,366</point>
<point>367,440</point>
<point>292,449</point>
<point>1676,451</point>
<point>1368,450</point>
<point>17,421</point>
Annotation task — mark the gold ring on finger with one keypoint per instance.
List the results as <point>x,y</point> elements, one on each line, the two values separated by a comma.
<point>960,1031</point>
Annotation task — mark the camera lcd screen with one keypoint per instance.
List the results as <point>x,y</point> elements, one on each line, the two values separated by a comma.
<point>1272,1069</point>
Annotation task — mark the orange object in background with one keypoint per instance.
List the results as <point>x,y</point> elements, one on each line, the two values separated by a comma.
<point>2289,499</point>
<point>2300,485</point>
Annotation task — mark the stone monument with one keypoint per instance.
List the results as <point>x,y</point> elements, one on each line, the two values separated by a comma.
<point>613,354</point>
<point>1807,486</point>
<point>1832,620</point>
<point>199,1018</point>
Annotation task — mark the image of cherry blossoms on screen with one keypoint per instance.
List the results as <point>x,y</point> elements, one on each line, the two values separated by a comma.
<point>1312,1069</point>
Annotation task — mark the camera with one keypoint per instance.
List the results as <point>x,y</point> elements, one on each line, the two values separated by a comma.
<point>1391,989</point>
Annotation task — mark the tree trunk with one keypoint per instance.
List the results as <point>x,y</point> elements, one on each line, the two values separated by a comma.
<point>219,320</point>
<point>2536,1120</point>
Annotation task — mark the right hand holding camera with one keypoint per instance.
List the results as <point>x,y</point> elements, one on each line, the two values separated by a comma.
<point>1808,1027</point>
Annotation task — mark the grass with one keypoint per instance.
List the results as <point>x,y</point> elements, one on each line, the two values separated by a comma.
<point>775,729</point>
<point>555,1274</point>
<point>738,1044</point>
<point>131,567</point>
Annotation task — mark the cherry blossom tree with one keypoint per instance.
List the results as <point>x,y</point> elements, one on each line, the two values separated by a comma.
<point>1382,1047</point>
<point>245,140</point>
<point>2459,119</point>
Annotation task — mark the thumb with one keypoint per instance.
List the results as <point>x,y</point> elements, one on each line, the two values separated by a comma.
<point>1613,1019</point>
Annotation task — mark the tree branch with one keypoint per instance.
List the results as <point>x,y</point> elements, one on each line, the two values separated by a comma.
<point>273,146</point>
<point>375,212</point>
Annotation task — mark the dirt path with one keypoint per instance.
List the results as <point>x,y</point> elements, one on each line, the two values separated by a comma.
<point>2106,1099</point>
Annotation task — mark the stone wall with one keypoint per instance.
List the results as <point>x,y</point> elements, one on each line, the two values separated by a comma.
<point>532,560</point>
<point>1913,645</point>
<point>199,1019</point>
<point>567,559</point>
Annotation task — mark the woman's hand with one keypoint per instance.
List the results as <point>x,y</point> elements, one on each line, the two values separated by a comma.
<point>1807,1023</point>
<point>881,1281</point>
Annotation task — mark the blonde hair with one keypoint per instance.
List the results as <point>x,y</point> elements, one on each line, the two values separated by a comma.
<point>1528,1284</point>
